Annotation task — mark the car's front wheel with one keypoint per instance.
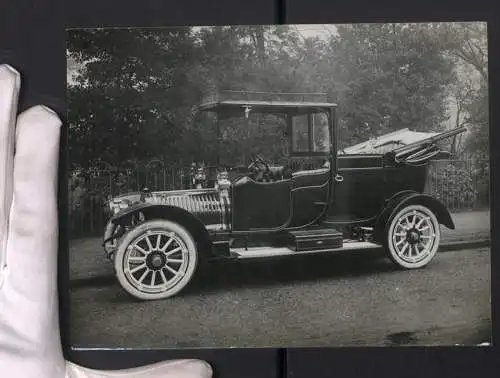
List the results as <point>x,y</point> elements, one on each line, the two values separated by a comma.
<point>156,260</point>
<point>413,237</point>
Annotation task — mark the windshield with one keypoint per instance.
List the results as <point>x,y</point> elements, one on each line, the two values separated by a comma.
<point>274,137</point>
<point>262,134</point>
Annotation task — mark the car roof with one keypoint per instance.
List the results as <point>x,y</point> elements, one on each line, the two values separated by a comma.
<point>271,102</point>
<point>265,106</point>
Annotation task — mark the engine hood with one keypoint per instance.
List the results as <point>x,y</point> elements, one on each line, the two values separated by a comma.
<point>125,200</point>
<point>208,205</point>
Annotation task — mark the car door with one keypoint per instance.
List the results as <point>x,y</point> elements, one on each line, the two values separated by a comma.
<point>309,195</point>
<point>310,140</point>
<point>260,205</point>
<point>359,188</point>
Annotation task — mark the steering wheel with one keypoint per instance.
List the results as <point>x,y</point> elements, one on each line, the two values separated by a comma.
<point>257,159</point>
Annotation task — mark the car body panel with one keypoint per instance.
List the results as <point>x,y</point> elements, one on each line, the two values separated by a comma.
<point>367,182</point>
<point>260,205</point>
<point>370,192</point>
<point>311,192</point>
<point>207,205</point>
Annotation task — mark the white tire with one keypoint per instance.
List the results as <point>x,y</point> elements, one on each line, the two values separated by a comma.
<point>413,237</point>
<point>156,260</point>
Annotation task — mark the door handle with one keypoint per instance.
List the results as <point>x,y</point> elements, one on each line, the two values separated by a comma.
<point>339,178</point>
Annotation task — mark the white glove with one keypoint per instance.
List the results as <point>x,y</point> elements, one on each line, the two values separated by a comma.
<point>29,324</point>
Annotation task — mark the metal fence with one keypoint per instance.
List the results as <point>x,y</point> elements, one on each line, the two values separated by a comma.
<point>460,184</point>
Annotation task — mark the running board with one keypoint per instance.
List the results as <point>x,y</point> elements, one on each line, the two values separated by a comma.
<point>260,252</point>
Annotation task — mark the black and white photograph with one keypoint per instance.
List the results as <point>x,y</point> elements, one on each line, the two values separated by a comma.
<point>309,185</point>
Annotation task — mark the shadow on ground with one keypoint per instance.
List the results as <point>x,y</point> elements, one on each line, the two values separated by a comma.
<point>228,275</point>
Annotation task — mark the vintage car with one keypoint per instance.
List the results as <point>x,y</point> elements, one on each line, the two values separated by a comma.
<point>159,241</point>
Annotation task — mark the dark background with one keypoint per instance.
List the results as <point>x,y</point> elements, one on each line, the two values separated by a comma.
<point>32,39</point>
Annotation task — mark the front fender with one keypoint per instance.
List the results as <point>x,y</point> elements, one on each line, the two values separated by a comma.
<point>160,211</point>
<point>126,213</point>
<point>411,198</point>
<point>121,218</point>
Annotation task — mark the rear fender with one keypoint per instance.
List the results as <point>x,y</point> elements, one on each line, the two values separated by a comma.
<point>173,213</point>
<point>403,199</point>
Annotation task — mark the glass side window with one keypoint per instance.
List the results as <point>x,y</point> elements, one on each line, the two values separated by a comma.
<point>310,133</point>
<point>300,133</point>
<point>321,135</point>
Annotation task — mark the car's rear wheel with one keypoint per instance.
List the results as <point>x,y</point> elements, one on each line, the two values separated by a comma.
<point>413,237</point>
<point>156,260</point>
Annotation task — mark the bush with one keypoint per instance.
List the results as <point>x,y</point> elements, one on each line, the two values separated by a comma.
<point>454,186</point>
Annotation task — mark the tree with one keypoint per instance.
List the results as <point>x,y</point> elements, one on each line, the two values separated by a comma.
<point>393,76</point>
<point>462,92</point>
<point>133,95</point>
<point>137,90</point>
<point>466,44</point>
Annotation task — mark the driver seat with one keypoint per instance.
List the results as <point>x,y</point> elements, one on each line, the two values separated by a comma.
<point>312,177</point>
<point>325,168</point>
<point>311,172</point>
<point>275,173</point>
